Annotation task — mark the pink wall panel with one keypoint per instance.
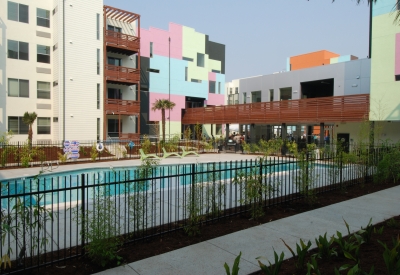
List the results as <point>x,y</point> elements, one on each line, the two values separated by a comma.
<point>160,41</point>
<point>215,99</point>
<point>175,113</point>
<point>211,76</point>
<point>397,55</point>
<point>145,37</point>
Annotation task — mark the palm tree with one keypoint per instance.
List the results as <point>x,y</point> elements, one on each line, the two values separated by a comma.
<point>29,119</point>
<point>163,104</point>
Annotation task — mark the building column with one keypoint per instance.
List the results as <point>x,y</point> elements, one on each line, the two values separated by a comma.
<point>269,132</point>
<point>321,134</point>
<point>284,131</point>
<point>226,132</point>
<point>310,138</point>
<point>252,133</point>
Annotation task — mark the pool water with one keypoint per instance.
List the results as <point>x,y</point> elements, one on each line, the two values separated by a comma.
<point>66,187</point>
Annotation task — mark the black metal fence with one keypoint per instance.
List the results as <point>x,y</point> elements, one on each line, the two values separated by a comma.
<point>21,154</point>
<point>51,218</point>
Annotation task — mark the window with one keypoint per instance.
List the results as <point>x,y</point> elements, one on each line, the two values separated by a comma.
<point>18,12</point>
<point>113,93</point>
<point>98,96</point>
<point>187,59</point>
<point>216,71</point>
<point>43,126</point>
<point>151,49</point>
<point>98,61</point>
<point>219,87</point>
<point>271,95</point>
<point>98,26</point>
<point>211,87</point>
<point>18,87</point>
<point>244,98</point>
<point>55,119</point>
<point>98,129</point>
<point>397,77</point>
<point>43,54</point>
<point>186,73</point>
<point>43,90</point>
<point>230,90</point>
<point>114,28</point>
<point>236,90</point>
<point>18,50</point>
<point>200,60</point>
<point>150,70</point>
<point>196,80</point>
<point>113,61</point>
<point>17,126</point>
<point>43,18</point>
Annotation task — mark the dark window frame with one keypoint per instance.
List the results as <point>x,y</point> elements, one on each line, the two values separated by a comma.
<point>43,57</point>
<point>22,12</point>
<point>45,94</point>
<point>43,129</point>
<point>22,128</point>
<point>26,81</point>
<point>42,21</point>
<point>19,55</point>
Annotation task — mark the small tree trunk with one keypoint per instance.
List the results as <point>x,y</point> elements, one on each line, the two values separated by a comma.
<point>163,123</point>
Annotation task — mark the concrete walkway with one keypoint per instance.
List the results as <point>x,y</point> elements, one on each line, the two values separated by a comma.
<point>209,257</point>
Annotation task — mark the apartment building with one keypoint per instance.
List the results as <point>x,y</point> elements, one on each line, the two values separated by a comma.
<point>184,66</point>
<point>75,63</point>
<point>312,79</point>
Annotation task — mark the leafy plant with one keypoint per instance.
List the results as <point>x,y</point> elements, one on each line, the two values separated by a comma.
<point>392,257</point>
<point>301,250</point>
<point>93,152</point>
<point>99,228</point>
<point>254,186</point>
<point>277,264</point>
<point>312,268</point>
<point>235,267</point>
<point>26,222</point>
<point>26,154</point>
<point>246,146</point>
<point>392,223</point>
<point>146,144</point>
<point>305,178</point>
<point>138,195</point>
<point>7,149</point>
<point>379,231</point>
<point>366,232</point>
<point>389,166</point>
<point>324,247</point>
<point>62,157</point>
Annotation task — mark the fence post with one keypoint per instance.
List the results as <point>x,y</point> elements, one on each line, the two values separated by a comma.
<point>83,235</point>
<point>341,168</point>
<point>19,152</point>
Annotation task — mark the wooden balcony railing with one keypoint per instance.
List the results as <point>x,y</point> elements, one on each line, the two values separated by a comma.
<point>121,74</point>
<point>313,110</point>
<point>129,136</point>
<point>123,107</point>
<point>122,41</point>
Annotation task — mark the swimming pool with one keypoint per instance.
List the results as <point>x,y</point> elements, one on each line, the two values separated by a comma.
<point>63,187</point>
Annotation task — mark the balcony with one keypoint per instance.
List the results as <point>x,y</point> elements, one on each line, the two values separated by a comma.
<point>121,75</point>
<point>351,108</point>
<point>121,43</point>
<point>122,107</point>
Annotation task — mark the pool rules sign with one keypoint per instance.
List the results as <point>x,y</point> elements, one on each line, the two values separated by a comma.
<point>71,149</point>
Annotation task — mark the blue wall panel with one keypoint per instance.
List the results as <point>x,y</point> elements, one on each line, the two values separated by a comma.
<point>159,81</point>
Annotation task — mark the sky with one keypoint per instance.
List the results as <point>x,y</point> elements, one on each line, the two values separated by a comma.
<point>260,35</point>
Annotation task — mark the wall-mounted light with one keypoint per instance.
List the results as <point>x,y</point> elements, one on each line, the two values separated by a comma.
<point>72,115</point>
<point>358,77</point>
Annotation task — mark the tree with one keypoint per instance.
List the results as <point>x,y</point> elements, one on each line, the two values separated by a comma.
<point>29,119</point>
<point>163,104</point>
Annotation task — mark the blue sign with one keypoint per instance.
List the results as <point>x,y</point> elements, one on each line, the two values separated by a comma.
<point>131,145</point>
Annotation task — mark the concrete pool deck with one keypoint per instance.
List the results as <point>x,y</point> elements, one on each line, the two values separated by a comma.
<point>202,158</point>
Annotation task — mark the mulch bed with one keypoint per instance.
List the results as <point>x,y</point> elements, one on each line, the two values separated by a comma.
<point>176,240</point>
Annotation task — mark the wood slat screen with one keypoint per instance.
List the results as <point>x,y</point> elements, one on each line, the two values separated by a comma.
<point>124,107</point>
<point>122,74</point>
<point>313,110</point>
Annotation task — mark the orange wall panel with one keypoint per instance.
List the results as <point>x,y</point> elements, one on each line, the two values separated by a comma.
<point>310,60</point>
